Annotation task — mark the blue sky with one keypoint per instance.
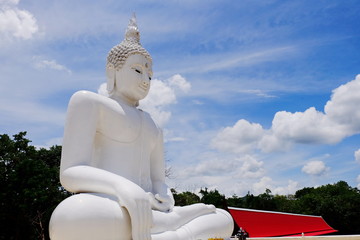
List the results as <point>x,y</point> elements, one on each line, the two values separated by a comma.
<point>251,94</point>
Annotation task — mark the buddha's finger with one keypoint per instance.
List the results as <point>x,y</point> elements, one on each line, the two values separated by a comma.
<point>162,198</point>
<point>158,205</point>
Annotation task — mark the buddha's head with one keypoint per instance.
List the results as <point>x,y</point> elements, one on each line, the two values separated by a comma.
<point>126,58</point>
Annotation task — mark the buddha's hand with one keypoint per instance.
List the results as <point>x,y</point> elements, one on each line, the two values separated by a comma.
<point>138,205</point>
<point>163,203</point>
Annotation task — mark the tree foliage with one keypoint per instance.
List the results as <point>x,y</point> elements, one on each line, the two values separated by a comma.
<point>213,197</point>
<point>29,187</point>
<point>185,198</point>
<point>338,204</point>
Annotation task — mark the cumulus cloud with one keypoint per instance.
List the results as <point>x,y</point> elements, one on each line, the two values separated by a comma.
<point>263,184</point>
<point>251,168</point>
<point>343,106</point>
<point>246,173</point>
<point>340,119</point>
<point>178,82</point>
<point>270,142</point>
<point>357,155</point>
<point>212,167</point>
<point>241,167</point>
<point>16,23</point>
<point>240,138</point>
<point>102,90</point>
<point>161,95</point>
<point>291,188</point>
<point>358,181</point>
<point>310,126</point>
<point>246,168</point>
<point>268,183</point>
<point>315,168</point>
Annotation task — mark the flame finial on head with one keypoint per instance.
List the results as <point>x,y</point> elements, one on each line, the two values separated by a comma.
<point>132,32</point>
<point>130,45</point>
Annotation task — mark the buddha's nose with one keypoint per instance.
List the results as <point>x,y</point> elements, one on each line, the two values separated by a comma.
<point>146,81</point>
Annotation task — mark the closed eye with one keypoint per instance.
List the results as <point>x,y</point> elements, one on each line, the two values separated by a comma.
<point>137,70</point>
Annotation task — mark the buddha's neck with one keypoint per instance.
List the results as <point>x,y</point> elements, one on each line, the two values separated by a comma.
<point>125,100</point>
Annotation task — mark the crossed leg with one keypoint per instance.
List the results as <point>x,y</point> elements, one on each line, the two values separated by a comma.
<point>93,217</point>
<point>198,221</point>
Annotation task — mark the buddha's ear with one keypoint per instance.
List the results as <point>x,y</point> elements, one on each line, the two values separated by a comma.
<point>110,75</point>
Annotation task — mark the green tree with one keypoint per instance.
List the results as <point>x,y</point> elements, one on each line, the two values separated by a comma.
<point>235,201</point>
<point>185,198</point>
<point>29,186</point>
<point>338,204</point>
<point>285,203</point>
<point>213,197</point>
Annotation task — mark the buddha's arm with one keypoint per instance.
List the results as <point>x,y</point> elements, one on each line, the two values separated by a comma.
<point>78,175</point>
<point>164,200</point>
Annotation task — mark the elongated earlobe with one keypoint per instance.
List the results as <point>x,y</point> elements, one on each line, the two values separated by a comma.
<point>110,75</point>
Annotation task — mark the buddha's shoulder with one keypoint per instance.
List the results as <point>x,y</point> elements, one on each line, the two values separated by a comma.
<point>89,98</point>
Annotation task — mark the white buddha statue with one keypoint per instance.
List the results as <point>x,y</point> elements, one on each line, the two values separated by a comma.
<point>112,157</point>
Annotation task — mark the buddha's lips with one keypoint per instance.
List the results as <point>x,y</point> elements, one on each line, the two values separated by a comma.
<point>144,88</point>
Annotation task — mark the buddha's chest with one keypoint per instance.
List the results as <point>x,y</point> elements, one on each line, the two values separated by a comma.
<point>126,124</point>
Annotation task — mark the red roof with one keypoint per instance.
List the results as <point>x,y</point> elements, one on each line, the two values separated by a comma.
<point>277,224</point>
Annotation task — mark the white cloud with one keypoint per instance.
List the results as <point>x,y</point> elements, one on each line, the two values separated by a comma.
<point>270,142</point>
<point>214,171</point>
<point>357,155</point>
<point>242,137</point>
<point>213,167</point>
<point>343,108</point>
<point>251,168</point>
<point>262,185</point>
<point>49,64</point>
<point>291,188</point>
<point>358,181</point>
<point>16,23</point>
<point>257,92</point>
<point>340,119</point>
<point>310,126</point>
<point>102,90</point>
<point>9,2</point>
<point>315,168</point>
<point>161,95</point>
<point>177,81</point>
<point>268,183</point>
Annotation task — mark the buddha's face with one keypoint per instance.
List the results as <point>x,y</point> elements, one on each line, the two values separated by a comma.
<point>133,79</point>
